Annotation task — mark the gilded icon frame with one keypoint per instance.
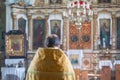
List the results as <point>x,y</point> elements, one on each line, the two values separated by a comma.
<point>86,63</point>
<point>55,27</point>
<point>38,33</point>
<point>74,59</point>
<point>105,30</point>
<point>14,45</point>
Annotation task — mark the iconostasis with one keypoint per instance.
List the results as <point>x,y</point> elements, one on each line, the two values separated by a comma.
<point>39,18</point>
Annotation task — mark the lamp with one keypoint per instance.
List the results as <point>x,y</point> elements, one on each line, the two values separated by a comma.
<point>78,11</point>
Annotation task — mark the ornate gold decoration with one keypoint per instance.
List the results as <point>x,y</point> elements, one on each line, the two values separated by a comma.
<point>46,30</point>
<point>21,11</point>
<point>86,63</point>
<point>38,11</point>
<point>22,3</point>
<point>104,10</point>
<point>38,17</point>
<point>39,3</point>
<point>55,11</point>
<point>14,45</point>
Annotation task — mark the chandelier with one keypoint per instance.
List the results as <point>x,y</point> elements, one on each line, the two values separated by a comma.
<point>78,11</point>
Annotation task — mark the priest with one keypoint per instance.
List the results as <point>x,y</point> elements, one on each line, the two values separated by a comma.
<point>50,63</point>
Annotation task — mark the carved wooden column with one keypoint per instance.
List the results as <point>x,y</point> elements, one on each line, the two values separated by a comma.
<point>113,37</point>
<point>29,21</point>
<point>64,35</point>
<point>95,32</point>
<point>14,21</point>
<point>46,26</point>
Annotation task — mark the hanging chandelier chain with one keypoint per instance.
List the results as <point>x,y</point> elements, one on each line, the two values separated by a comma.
<point>78,11</point>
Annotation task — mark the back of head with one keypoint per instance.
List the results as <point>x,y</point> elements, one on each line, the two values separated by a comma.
<point>52,41</point>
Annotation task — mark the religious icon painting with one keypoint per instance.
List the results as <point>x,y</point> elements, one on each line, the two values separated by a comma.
<point>38,33</point>
<point>86,63</point>
<point>15,46</point>
<point>74,58</point>
<point>117,33</point>
<point>55,27</point>
<point>22,24</point>
<point>105,33</point>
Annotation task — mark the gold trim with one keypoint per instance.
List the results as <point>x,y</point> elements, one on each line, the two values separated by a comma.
<point>55,12</point>
<point>38,17</point>
<point>38,11</point>
<point>21,11</point>
<point>14,45</point>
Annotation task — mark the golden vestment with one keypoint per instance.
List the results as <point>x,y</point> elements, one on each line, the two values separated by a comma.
<point>50,64</point>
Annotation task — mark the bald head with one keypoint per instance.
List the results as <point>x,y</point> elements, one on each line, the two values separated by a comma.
<point>52,41</point>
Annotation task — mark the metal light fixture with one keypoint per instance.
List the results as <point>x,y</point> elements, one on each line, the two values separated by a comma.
<point>78,11</point>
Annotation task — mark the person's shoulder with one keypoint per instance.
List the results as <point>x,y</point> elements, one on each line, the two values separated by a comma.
<point>50,48</point>
<point>40,48</point>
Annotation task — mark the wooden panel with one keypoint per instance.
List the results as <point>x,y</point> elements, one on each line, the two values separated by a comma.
<point>77,73</point>
<point>2,23</point>
<point>80,38</point>
<point>84,75</point>
<point>117,74</point>
<point>85,37</point>
<point>105,73</point>
<point>73,37</point>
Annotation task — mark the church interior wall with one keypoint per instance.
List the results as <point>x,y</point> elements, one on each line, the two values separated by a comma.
<point>39,12</point>
<point>47,12</point>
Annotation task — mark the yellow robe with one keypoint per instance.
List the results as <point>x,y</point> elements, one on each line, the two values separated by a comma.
<point>50,64</point>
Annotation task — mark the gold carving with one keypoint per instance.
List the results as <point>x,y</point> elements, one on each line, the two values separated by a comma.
<point>38,17</point>
<point>104,10</point>
<point>39,2</point>
<point>21,11</point>
<point>38,11</point>
<point>29,17</point>
<point>13,16</point>
<point>22,3</point>
<point>55,11</point>
<point>113,16</point>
